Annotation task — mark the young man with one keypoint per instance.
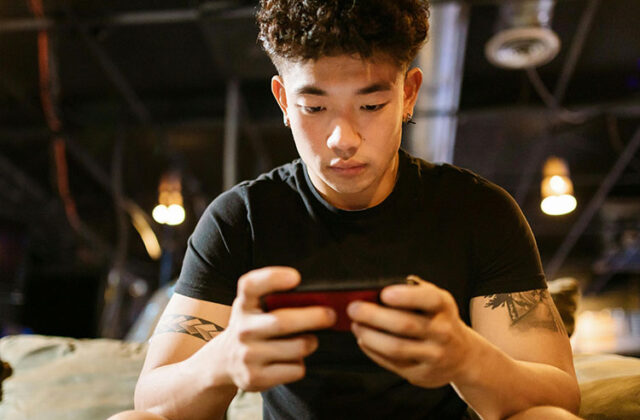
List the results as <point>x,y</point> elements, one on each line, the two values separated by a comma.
<point>479,331</point>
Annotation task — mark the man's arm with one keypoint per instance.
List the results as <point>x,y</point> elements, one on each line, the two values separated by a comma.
<point>499,367</point>
<point>177,381</point>
<point>526,358</point>
<point>203,352</point>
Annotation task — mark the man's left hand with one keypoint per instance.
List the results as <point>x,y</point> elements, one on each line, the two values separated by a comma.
<point>418,334</point>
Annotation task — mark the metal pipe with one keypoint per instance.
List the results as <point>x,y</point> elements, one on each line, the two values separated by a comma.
<point>230,147</point>
<point>575,50</point>
<point>441,60</point>
<point>23,181</point>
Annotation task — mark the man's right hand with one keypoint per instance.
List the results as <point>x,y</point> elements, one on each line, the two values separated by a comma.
<point>260,349</point>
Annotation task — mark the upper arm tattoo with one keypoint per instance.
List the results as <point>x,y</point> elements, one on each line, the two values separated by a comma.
<point>187,324</point>
<point>530,309</point>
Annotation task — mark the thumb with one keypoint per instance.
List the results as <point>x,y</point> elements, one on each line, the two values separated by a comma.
<point>257,283</point>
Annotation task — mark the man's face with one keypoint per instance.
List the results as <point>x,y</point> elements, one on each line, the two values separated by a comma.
<point>346,119</point>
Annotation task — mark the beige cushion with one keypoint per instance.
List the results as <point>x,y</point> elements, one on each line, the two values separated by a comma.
<point>63,378</point>
<point>610,386</point>
<point>60,378</point>
<point>612,398</point>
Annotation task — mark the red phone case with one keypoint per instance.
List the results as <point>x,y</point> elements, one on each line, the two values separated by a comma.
<point>336,296</point>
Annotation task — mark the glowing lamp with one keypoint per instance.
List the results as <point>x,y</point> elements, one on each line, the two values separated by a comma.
<point>557,188</point>
<point>169,210</point>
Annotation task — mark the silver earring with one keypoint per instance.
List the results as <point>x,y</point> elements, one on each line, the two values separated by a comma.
<point>408,119</point>
<point>286,121</point>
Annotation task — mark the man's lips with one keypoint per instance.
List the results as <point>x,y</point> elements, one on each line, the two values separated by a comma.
<point>345,164</point>
<point>347,168</point>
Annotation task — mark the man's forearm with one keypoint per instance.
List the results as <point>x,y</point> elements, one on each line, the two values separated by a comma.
<point>180,391</point>
<point>499,386</point>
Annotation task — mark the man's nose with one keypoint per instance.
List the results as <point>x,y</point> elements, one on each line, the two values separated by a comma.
<point>344,140</point>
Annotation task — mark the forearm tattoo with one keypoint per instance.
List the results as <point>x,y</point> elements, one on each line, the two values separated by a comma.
<point>186,324</point>
<point>530,309</point>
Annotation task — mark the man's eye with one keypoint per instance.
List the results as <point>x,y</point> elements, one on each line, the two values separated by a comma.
<point>376,107</point>
<point>311,109</point>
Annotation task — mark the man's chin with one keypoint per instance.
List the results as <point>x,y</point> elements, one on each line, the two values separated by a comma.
<point>347,191</point>
<point>346,188</point>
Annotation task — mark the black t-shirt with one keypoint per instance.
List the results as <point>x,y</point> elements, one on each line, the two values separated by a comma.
<point>441,223</point>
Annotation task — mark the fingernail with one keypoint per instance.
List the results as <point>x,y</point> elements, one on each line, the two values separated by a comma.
<point>388,293</point>
<point>312,345</point>
<point>293,275</point>
<point>332,315</point>
<point>353,308</point>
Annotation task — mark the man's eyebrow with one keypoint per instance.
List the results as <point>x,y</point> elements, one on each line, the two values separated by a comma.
<point>376,87</point>
<point>312,90</point>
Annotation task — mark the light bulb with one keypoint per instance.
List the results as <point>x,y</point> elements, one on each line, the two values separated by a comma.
<point>558,185</point>
<point>175,215</point>
<point>556,205</point>
<point>160,213</point>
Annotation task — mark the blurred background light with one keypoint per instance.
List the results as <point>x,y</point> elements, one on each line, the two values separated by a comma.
<point>169,210</point>
<point>148,236</point>
<point>557,188</point>
<point>175,214</point>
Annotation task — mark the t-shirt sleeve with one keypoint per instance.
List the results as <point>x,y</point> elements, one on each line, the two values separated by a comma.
<point>505,253</point>
<point>217,251</point>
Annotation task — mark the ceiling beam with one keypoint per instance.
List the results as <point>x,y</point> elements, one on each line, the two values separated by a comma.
<point>136,18</point>
<point>113,73</point>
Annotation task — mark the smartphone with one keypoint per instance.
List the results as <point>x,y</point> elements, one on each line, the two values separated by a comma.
<point>336,295</point>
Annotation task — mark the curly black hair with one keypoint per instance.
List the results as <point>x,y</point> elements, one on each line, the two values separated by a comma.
<point>301,30</point>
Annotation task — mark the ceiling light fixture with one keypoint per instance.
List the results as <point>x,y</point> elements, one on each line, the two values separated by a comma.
<point>523,38</point>
<point>557,188</point>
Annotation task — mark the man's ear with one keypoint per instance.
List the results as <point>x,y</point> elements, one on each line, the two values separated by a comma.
<point>279,92</point>
<point>412,83</point>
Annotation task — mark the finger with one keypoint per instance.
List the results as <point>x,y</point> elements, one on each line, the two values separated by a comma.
<point>424,296</point>
<point>288,321</point>
<point>408,370</point>
<point>286,372</point>
<point>392,347</point>
<point>396,321</point>
<point>392,365</point>
<point>274,374</point>
<point>293,349</point>
<point>290,350</point>
<point>257,283</point>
